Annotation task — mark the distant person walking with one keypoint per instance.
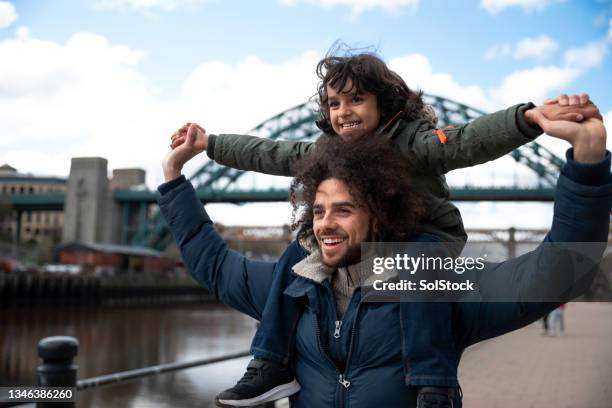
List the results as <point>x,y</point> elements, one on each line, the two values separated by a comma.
<point>545,324</point>
<point>556,321</point>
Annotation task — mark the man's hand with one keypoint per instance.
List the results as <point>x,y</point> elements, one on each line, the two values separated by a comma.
<point>193,141</point>
<point>573,108</point>
<point>178,137</point>
<point>588,137</point>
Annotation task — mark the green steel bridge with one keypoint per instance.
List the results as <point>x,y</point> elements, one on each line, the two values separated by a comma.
<point>216,183</point>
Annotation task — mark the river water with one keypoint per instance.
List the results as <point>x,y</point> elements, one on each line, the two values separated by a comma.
<point>124,337</point>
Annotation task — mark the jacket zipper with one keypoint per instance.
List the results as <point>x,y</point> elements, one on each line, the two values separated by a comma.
<point>337,329</point>
<point>342,378</point>
<point>344,381</point>
<point>337,337</point>
<point>338,325</point>
<point>318,333</point>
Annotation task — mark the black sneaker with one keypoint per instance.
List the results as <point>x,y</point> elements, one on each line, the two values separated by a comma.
<point>435,397</point>
<point>263,382</point>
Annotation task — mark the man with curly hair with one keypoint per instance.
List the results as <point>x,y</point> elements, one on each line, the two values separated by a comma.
<point>347,201</point>
<point>358,98</point>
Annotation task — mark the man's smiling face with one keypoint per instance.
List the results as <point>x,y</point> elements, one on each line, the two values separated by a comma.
<point>340,224</point>
<point>352,115</point>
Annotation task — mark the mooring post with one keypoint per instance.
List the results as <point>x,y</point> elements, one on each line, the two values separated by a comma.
<point>57,368</point>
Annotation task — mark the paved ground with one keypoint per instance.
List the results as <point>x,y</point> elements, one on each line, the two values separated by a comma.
<point>527,369</point>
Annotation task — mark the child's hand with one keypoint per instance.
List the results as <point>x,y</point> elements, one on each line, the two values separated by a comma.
<point>188,141</point>
<point>201,138</point>
<point>572,99</point>
<point>573,108</point>
<point>588,137</point>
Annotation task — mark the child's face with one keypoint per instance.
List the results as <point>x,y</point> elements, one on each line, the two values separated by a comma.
<point>352,115</point>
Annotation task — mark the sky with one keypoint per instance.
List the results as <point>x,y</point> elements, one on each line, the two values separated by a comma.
<point>115,78</point>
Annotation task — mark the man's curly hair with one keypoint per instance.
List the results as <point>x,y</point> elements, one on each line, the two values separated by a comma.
<point>377,176</point>
<point>369,73</point>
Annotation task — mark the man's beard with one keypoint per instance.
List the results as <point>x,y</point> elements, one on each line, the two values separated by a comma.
<point>353,253</point>
<point>352,256</point>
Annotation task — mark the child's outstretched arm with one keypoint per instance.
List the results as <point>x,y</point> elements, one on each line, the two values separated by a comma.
<point>245,152</point>
<point>488,137</point>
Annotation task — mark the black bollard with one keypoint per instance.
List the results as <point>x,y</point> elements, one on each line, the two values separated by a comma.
<point>57,368</point>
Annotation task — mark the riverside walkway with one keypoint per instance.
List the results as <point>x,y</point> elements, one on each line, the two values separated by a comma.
<point>529,370</point>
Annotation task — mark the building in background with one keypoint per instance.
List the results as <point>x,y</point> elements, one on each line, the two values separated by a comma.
<point>110,260</point>
<point>90,212</point>
<point>35,225</point>
<point>261,243</point>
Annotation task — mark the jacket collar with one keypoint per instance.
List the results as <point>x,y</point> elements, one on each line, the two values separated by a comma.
<point>312,268</point>
<point>398,124</point>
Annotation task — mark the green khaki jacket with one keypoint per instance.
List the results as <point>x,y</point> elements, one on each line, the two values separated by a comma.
<point>486,138</point>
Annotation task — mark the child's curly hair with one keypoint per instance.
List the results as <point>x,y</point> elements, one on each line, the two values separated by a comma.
<point>369,73</point>
<point>377,175</point>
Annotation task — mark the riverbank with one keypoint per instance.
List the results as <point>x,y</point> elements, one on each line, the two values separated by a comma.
<point>22,289</point>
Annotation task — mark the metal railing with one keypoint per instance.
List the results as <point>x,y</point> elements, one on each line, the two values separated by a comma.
<point>57,369</point>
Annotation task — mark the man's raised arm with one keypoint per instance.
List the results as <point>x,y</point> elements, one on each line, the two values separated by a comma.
<point>234,280</point>
<point>583,200</point>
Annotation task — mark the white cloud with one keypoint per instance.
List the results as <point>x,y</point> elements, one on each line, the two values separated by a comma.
<point>588,56</point>
<point>607,118</point>
<point>22,33</point>
<point>87,97</point>
<point>416,70</point>
<point>359,6</point>
<point>496,6</point>
<point>538,83</point>
<point>538,48</point>
<point>145,6</point>
<point>8,14</point>
<point>250,91</point>
<point>534,84</point>
<point>83,98</point>
<point>610,30</point>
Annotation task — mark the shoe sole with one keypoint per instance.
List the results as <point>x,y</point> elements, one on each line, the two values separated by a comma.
<point>276,393</point>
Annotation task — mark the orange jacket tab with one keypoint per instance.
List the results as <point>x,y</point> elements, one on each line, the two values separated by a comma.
<point>441,135</point>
